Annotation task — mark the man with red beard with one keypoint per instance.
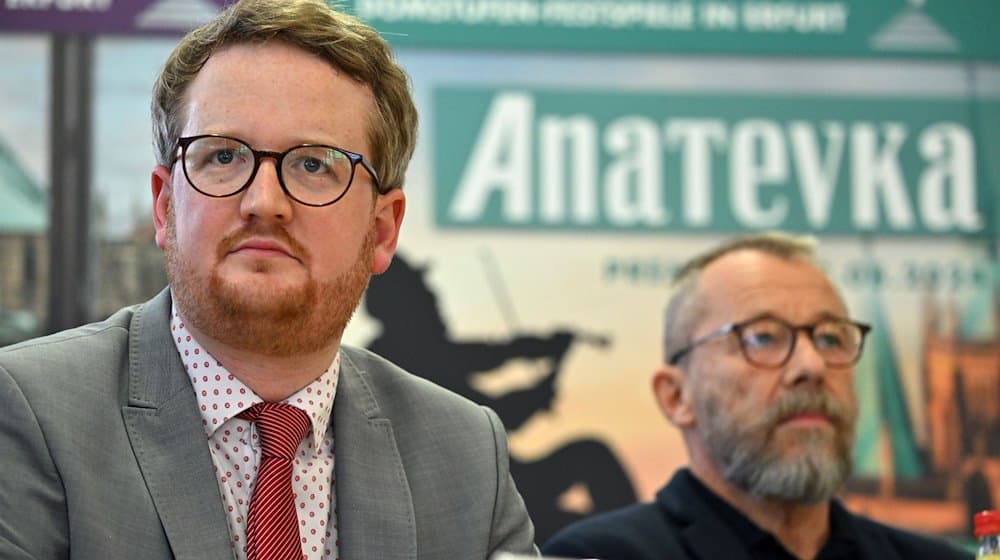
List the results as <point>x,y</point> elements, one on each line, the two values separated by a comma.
<point>760,355</point>
<point>223,418</point>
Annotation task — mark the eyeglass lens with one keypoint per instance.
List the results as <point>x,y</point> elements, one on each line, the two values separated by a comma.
<point>769,342</point>
<point>219,166</point>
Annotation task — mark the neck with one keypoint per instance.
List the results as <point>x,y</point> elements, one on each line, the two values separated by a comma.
<point>802,528</point>
<point>273,378</point>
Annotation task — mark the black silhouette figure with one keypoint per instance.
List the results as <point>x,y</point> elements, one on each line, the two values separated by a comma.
<point>415,337</point>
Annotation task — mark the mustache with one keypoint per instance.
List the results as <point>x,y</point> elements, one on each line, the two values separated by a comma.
<point>258,229</point>
<point>808,401</point>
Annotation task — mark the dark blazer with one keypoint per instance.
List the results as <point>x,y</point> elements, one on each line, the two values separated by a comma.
<point>103,456</point>
<point>680,525</point>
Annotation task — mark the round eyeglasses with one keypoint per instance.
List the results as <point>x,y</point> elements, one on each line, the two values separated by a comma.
<point>311,174</point>
<point>769,342</point>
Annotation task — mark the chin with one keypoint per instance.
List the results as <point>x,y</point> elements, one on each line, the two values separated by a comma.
<point>809,438</point>
<point>266,295</point>
<point>236,267</point>
<point>261,278</point>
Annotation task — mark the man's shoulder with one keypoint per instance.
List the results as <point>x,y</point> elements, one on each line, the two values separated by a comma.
<point>78,345</point>
<point>92,352</point>
<point>907,544</point>
<point>397,390</point>
<point>430,424</point>
<point>632,519</point>
<point>638,531</point>
<point>71,371</point>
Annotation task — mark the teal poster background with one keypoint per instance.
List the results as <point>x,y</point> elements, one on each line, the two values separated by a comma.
<point>621,161</point>
<point>760,27</point>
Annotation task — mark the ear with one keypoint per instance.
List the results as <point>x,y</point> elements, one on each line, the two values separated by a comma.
<point>673,396</point>
<point>389,210</point>
<point>160,183</point>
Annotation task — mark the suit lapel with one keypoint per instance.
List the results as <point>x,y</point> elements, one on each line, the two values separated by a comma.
<point>374,507</point>
<point>165,430</point>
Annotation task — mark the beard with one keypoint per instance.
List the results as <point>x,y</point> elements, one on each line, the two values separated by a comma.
<point>752,455</point>
<point>285,322</point>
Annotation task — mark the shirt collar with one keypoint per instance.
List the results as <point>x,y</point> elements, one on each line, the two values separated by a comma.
<point>748,533</point>
<point>841,542</point>
<point>221,395</point>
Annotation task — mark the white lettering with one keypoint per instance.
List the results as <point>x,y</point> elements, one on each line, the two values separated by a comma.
<point>817,175</point>
<point>500,162</point>
<point>876,172</point>
<point>470,12</point>
<point>696,137</point>
<point>580,133</point>
<point>626,172</point>
<point>61,5</point>
<point>718,15</point>
<point>758,157</point>
<point>28,4</point>
<point>616,14</point>
<point>633,179</point>
<point>798,17</point>
<point>83,5</point>
<point>948,148</point>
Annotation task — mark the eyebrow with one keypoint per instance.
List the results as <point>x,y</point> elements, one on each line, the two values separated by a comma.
<point>770,314</point>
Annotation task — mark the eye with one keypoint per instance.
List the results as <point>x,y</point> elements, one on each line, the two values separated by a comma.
<point>312,165</point>
<point>759,339</point>
<point>831,335</point>
<point>829,340</point>
<point>765,333</point>
<point>224,157</point>
<point>318,160</point>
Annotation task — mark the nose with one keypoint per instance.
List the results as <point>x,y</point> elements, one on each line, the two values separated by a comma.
<point>265,199</point>
<point>805,364</point>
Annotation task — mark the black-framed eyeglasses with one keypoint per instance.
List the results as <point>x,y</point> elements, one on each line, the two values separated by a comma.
<point>767,341</point>
<point>311,174</point>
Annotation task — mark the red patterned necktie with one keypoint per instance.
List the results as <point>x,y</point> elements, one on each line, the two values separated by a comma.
<point>272,524</point>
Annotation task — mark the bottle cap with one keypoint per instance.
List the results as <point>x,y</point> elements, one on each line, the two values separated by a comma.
<point>986,523</point>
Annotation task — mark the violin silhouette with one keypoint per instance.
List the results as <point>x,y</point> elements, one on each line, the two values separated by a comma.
<point>415,337</point>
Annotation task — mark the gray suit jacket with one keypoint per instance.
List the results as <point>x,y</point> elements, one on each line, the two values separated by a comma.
<point>103,456</point>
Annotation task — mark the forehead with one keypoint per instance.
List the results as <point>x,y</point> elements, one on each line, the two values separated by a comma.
<point>274,93</point>
<point>746,283</point>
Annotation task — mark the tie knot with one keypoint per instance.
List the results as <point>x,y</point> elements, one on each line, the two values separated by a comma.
<point>280,427</point>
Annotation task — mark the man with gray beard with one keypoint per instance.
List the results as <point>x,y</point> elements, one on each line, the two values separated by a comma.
<point>760,355</point>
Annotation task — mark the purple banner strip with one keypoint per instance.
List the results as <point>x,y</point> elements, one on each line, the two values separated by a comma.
<point>106,16</point>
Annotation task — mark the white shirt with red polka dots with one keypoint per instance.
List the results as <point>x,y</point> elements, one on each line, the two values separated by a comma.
<point>236,452</point>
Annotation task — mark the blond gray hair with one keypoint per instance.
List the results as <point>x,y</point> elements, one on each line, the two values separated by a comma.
<point>684,305</point>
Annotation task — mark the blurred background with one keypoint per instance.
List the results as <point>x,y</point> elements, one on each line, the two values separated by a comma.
<point>571,154</point>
